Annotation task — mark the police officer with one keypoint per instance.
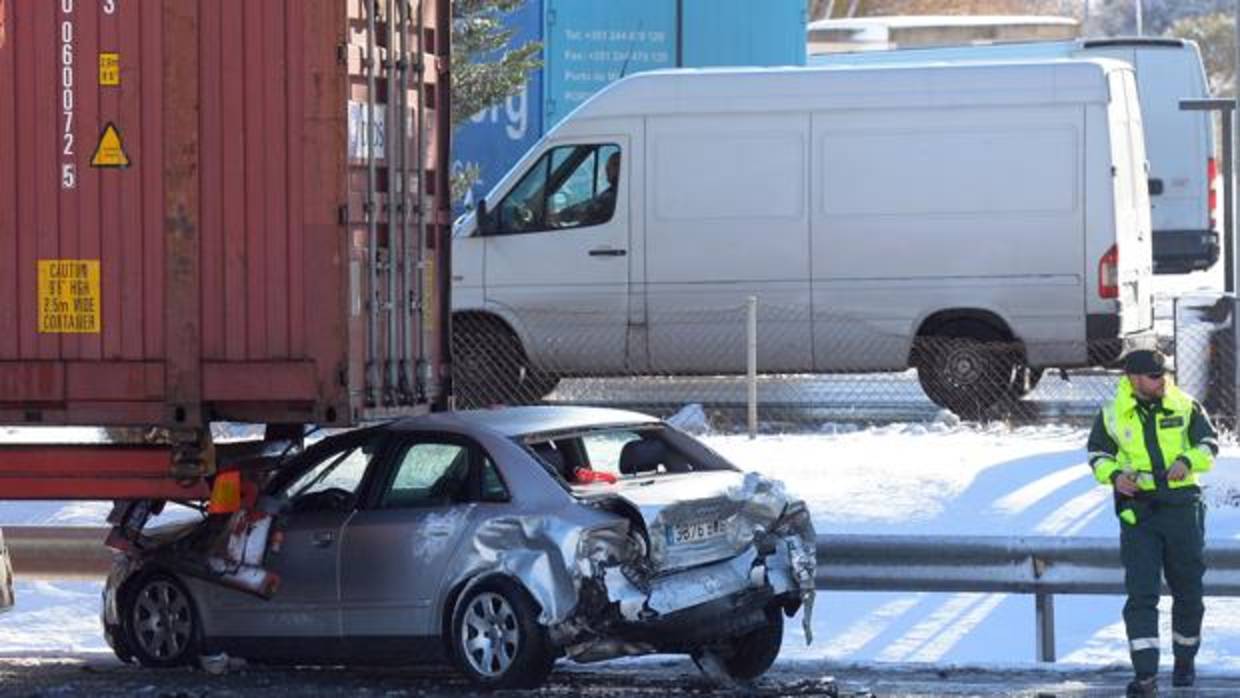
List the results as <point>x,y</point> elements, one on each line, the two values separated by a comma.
<point>1150,444</point>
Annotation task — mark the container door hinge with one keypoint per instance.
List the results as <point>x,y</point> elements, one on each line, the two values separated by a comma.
<point>342,375</point>
<point>342,214</point>
<point>342,54</point>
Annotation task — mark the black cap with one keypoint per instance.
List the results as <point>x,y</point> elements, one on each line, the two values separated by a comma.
<point>1145,361</point>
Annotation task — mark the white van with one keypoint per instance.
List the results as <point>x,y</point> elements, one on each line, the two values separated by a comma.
<point>1179,144</point>
<point>998,213</point>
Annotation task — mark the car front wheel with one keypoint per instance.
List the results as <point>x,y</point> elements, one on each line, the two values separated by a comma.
<point>159,623</point>
<point>496,638</point>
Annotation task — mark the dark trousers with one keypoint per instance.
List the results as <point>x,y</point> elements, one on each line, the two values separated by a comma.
<point>1170,540</point>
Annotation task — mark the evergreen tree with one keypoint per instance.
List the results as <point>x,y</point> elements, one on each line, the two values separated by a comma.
<point>485,69</point>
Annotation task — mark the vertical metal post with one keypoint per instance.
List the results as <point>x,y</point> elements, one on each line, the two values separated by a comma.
<point>372,222</point>
<point>1045,609</point>
<point>1229,204</point>
<point>394,126</point>
<point>407,381</point>
<point>752,363</point>
<point>1140,22</point>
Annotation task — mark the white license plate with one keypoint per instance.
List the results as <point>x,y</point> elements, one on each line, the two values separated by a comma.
<point>694,532</point>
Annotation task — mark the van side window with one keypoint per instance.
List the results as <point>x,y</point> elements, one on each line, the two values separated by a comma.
<point>569,187</point>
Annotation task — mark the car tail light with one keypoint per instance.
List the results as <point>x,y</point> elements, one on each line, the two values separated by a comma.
<point>1212,197</point>
<point>225,493</point>
<point>1108,274</point>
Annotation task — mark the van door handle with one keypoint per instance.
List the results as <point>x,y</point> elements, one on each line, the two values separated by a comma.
<point>323,539</point>
<point>607,252</point>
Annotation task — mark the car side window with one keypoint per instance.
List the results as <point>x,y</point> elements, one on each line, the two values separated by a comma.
<point>428,474</point>
<point>568,187</point>
<point>334,481</point>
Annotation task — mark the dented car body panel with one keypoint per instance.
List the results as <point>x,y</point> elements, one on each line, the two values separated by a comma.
<point>383,533</point>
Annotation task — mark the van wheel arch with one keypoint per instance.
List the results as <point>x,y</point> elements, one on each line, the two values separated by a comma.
<point>491,364</point>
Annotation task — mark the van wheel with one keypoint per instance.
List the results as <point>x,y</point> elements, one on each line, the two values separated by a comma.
<point>966,373</point>
<point>489,365</point>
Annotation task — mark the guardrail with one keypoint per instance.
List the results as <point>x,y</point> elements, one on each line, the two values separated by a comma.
<point>57,552</point>
<point>1040,566</point>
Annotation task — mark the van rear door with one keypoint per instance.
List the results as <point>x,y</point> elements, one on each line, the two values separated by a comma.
<point>1133,278</point>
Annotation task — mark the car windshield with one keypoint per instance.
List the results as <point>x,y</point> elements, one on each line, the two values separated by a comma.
<point>618,453</point>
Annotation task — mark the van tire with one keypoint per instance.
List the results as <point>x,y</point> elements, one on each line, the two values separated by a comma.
<point>966,367</point>
<point>491,368</point>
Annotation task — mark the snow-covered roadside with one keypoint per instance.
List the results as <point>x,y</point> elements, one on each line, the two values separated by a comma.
<point>937,478</point>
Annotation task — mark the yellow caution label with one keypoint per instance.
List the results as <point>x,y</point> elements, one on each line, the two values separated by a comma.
<point>69,298</point>
<point>109,69</point>
<point>110,153</point>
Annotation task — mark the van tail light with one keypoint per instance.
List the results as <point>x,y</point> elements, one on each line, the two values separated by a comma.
<point>1212,197</point>
<point>1108,274</point>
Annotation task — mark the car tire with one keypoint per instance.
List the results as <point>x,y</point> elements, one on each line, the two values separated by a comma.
<point>159,624</point>
<point>748,656</point>
<point>497,641</point>
<point>966,368</point>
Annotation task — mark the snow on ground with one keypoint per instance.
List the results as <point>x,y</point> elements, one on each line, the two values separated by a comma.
<point>942,477</point>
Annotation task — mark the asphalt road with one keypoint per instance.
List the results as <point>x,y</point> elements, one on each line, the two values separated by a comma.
<point>100,676</point>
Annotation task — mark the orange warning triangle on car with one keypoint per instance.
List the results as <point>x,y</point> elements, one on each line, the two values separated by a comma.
<point>110,152</point>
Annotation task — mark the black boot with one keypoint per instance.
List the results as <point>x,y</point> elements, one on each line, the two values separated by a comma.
<point>1143,687</point>
<point>1184,673</point>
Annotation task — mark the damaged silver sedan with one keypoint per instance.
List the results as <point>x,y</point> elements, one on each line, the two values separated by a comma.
<point>498,540</point>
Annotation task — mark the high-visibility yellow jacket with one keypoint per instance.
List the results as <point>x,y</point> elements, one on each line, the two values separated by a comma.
<point>1144,438</point>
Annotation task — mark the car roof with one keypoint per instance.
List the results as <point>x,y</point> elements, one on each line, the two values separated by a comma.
<point>520,421</point>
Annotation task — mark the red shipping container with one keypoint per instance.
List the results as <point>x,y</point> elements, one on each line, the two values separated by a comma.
<point>202,214</point>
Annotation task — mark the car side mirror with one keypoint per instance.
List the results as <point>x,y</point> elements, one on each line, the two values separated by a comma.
<point>483,217</point>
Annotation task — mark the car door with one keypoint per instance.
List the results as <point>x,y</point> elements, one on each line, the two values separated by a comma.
<point>322,491</point>
<point>397,551</point>
<point>557,256</point>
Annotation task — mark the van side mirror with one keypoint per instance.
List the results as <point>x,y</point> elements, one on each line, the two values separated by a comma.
<point>1156,187</point>
<point>483,217</point>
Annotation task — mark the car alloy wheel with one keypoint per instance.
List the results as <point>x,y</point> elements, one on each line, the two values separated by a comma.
<point>496,638</point>
<point>490,636</point>
<point>161,622</point>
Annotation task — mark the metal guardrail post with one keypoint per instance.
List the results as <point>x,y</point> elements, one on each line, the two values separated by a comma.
<point>1045,612</point>
<point>751,325</point>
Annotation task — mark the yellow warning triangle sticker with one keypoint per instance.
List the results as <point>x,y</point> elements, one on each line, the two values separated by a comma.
<point>110,152</point>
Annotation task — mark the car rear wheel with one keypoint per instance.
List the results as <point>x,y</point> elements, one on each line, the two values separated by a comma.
<point>496,638</point>
<point>748,656</point>
<point>159,622</point>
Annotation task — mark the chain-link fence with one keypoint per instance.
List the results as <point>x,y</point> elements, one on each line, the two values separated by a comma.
<point>816,368</point>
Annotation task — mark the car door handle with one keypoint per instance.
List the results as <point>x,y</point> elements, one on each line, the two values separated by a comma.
<point>322,539</point>
<point>607,252</point>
